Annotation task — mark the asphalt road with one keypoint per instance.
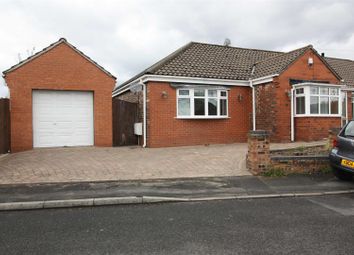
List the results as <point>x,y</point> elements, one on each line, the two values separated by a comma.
<point>313,225</point>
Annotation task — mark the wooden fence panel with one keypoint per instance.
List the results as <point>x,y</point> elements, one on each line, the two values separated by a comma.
<point>4,126</point>
<point>124,117</point>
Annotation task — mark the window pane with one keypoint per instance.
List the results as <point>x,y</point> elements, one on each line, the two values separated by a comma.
<point>333,91</point>
<point>212,106</point>
<point>184,92</point>
<point>300,105</point>
<point>199,92</point>
<point>349,130</point>
<point>300,91</point>
<point>184,107</point>
<point>223,107</point>
<point>324,91</point>
<point>223,93</point>
<point>324,105</point>
<point>314,105</point>
<point>199,106</point>
<point>314,90</point>
<point>334,105</point>
<point>212,93</point>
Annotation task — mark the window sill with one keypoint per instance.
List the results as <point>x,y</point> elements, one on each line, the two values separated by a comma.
<point>201,117</point>
<point>317,116</point>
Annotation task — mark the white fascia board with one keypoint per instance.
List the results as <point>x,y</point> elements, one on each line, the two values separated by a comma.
<point>346,88</point>
<point>125,88</point>
<point>264,79</point>
<point>45,50</point>
<point>318,84</point>
<point>196,80</point>
<point>181,79</point>
<point>36,55</point>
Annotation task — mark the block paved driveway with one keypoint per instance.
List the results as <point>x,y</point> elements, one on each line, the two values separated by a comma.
<point>122,163</point>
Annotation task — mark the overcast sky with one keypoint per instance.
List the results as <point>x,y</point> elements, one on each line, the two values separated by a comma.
<point>127,36</point>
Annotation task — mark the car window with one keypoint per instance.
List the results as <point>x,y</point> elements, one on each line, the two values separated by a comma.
<point>349,130</point>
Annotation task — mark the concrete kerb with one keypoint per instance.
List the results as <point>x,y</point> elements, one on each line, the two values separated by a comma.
<point>68,203</point>
<point>117,200</point>
<point>21,205</point>
<point>153,199</point>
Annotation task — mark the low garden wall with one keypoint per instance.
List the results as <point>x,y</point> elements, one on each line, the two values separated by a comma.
<point>261,160</point>
<point>297,164</point>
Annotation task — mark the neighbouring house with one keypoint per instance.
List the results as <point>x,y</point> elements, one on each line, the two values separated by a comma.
<point>208,94</point>
<point>59,97</point>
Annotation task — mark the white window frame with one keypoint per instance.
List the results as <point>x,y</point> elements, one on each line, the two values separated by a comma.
<point>344,96</point>
<point>352,107</point>
<point>206,99</point>
<point>297,96</point>
<point>307,94</point>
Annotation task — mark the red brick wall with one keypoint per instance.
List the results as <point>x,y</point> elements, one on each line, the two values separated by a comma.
<point>315,128</point>
<point>299,70</point>
<point>61,68</point>
<point>266,107</point>
<point>164,129</point>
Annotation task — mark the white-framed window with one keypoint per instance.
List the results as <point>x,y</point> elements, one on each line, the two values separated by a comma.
<point>300,101</point>
<point>202,103</point>
<point>312,100</point>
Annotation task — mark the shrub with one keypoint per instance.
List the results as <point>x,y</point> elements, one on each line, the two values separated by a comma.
<point>274,172</point>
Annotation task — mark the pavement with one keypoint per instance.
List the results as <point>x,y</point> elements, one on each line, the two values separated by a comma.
<point>39,196</point>
<point>84,164</point>
<point>293,225</point>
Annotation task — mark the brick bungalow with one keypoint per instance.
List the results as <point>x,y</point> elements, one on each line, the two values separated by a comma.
<point>59,97</point>
<point>209,94</point>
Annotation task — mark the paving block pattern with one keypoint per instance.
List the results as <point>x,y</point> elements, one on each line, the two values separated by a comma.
<point>122,163</point>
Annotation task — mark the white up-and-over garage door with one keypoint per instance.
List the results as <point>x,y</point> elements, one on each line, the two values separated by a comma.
<point>62,118</point>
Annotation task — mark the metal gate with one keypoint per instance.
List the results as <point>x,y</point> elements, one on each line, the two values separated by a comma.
<point>124,117</point>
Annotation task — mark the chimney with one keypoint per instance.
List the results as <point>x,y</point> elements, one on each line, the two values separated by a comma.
<point>227,42</point>
<point>322,54</point>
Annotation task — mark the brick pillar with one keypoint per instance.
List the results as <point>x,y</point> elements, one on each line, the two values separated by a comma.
<point>258,156</point>
<point>332,134</point>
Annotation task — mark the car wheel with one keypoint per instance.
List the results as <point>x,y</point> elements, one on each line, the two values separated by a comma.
<point>342,175</point>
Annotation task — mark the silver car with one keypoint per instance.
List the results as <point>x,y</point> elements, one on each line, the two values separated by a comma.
<point>342,155</point>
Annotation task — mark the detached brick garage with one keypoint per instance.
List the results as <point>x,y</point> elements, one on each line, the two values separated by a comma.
<point>59,97</point>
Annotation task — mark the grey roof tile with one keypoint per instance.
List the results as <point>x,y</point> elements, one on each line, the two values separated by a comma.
<point>208,61</point>
<point>277,64</point>
<point>213,61</point>
<point>233,63</point>
<point>344,67</point>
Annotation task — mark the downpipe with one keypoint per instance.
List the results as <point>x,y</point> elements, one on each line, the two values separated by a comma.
<point>144,112</point>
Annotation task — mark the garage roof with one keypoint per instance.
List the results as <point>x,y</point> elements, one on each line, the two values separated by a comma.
<point>53,45</point>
